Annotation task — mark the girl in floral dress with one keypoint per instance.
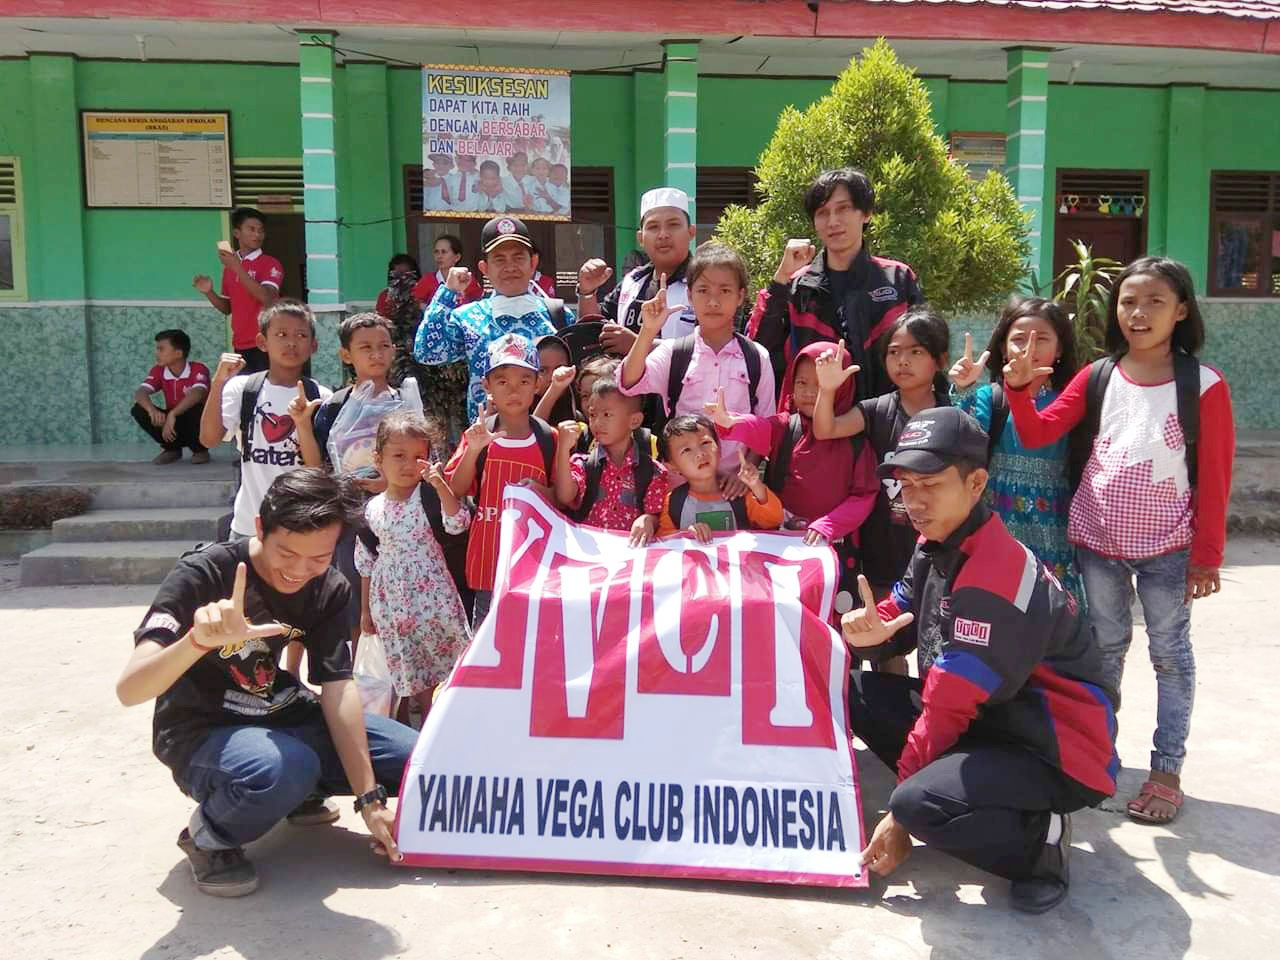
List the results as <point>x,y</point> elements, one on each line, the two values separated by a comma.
<point>407,595</point>
<point>1029,489</point>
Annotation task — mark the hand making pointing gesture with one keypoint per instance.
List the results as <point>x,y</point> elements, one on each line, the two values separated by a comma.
<point>655,313</point>
<point>865,627</point>
<point>302,409</point>
<point>222,623</point>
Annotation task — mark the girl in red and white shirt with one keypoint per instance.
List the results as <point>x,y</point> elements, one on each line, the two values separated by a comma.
<point>1137,515</point>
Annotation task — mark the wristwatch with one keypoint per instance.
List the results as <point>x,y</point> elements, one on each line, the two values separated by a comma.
<point>377,795</point>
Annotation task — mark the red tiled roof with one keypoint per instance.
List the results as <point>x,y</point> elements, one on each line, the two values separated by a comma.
<point>1246,9</point>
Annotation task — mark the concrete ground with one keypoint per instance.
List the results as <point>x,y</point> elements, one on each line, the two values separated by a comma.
<point>90,868</point>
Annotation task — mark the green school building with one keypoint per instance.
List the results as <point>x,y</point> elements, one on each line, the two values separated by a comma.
<point>1149,127</point>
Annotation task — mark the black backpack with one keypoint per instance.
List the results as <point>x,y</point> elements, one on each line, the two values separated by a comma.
<point>645,444</point>
<point>880,426</point>
<point>249,403</point>
<point>1186,379</point>
<point>543,432</point>
<point>682,355</point>
<point>775,475</point>
<point>325,416</point>
<point>680,495</point>
<point>453,546</point>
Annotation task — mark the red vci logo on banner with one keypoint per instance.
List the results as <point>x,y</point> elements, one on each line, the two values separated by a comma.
<point>676,710</point>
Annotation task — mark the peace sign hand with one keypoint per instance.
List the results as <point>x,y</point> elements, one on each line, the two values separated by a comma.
<point>222,623</point>
<point>655,313</point>
<point>719,413</point>
<point>831,373</point>
<point>302,409</point>
<point>865,628</point>
<point>965,372</point>
<point>1018,370</point>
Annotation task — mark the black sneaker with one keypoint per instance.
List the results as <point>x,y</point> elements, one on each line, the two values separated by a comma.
<point>1047,885</point>
<point>219,873</point>
<point>314,811</point>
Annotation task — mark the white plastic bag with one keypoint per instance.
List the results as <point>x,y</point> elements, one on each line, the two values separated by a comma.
<point>372,677</point>
<point>354,429</point>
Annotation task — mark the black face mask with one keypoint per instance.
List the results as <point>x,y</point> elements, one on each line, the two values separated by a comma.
<point>402,283</point>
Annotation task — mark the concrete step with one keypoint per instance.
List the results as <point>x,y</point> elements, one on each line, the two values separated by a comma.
<point>120,562</point>
<point>133,495</point>
<point>1256,515</point>
<point>158,523</point>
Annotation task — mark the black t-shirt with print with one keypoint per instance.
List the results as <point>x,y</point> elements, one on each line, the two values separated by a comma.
<point>233,687</point>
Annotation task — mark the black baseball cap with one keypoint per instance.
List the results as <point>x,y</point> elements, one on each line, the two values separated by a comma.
<point>933,440</point>
<point>504,228</point>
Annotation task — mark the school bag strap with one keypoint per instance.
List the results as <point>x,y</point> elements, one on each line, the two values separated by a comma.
<point>780,466</point>
<point>1080,445</point>
<point>543,433</point>
<point>1186,381</point>
<point>775,476</point>
<point>682,356</point>
<point>1186,378</point>
<point>999,417</point>
<point>679,496</point>
<point>249,403</point>
<point>880,428</point>
<point>644,444</point>
<point>453,546</point>
<point>325,416</point>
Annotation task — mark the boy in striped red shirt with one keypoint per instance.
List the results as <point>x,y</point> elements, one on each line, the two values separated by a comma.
<point>508,446</point>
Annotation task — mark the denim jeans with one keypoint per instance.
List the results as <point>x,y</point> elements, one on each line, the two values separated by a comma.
<point>248,778</point>
<point>1162,584</point>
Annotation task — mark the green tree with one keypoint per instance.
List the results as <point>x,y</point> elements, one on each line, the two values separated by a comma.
<point>966,239</point>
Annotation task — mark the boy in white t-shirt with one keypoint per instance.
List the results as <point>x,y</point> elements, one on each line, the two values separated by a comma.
<point>270,445</point>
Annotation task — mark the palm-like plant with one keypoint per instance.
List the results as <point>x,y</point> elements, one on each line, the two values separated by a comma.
<point>1084,289</point>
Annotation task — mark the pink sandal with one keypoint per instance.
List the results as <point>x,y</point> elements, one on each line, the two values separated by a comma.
<point>1170,795</point>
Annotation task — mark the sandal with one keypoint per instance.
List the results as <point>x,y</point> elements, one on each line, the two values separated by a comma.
<point>1170,795</point>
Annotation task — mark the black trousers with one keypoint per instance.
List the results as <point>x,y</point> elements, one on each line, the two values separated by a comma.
<point>984,802</point>
<point>186,429</point>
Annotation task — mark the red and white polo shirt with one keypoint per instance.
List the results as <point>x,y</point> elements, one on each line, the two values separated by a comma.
<point>160,379</point>
<point>265,270</point>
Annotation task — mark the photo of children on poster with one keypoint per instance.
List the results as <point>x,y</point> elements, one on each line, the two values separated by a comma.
<point>613,716</point>
<point>495,140</point>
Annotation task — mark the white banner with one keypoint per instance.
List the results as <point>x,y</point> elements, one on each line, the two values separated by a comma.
<point>674,711</point>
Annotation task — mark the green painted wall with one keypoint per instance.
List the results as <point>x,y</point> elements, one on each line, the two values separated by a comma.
<point>1107,127</point>
<point>140,256</point>
<point>728,133</point>
<point>152,254</point>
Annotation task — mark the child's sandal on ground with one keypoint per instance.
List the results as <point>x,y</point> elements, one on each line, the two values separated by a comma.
<point>1170,795</point>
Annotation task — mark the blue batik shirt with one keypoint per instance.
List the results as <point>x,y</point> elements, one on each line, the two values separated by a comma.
<point>449,333</point>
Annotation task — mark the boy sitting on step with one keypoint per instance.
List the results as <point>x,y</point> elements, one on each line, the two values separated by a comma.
<point>185,385</point>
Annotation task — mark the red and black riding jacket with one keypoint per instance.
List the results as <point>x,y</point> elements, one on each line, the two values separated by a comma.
<point>789,317</point>
<point>1004,653</point>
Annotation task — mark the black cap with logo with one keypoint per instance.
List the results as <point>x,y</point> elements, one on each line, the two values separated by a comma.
<point>504,228</point>
<point>934,439</point>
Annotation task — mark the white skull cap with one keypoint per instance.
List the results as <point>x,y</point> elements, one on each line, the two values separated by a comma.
<point>663,197</point>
